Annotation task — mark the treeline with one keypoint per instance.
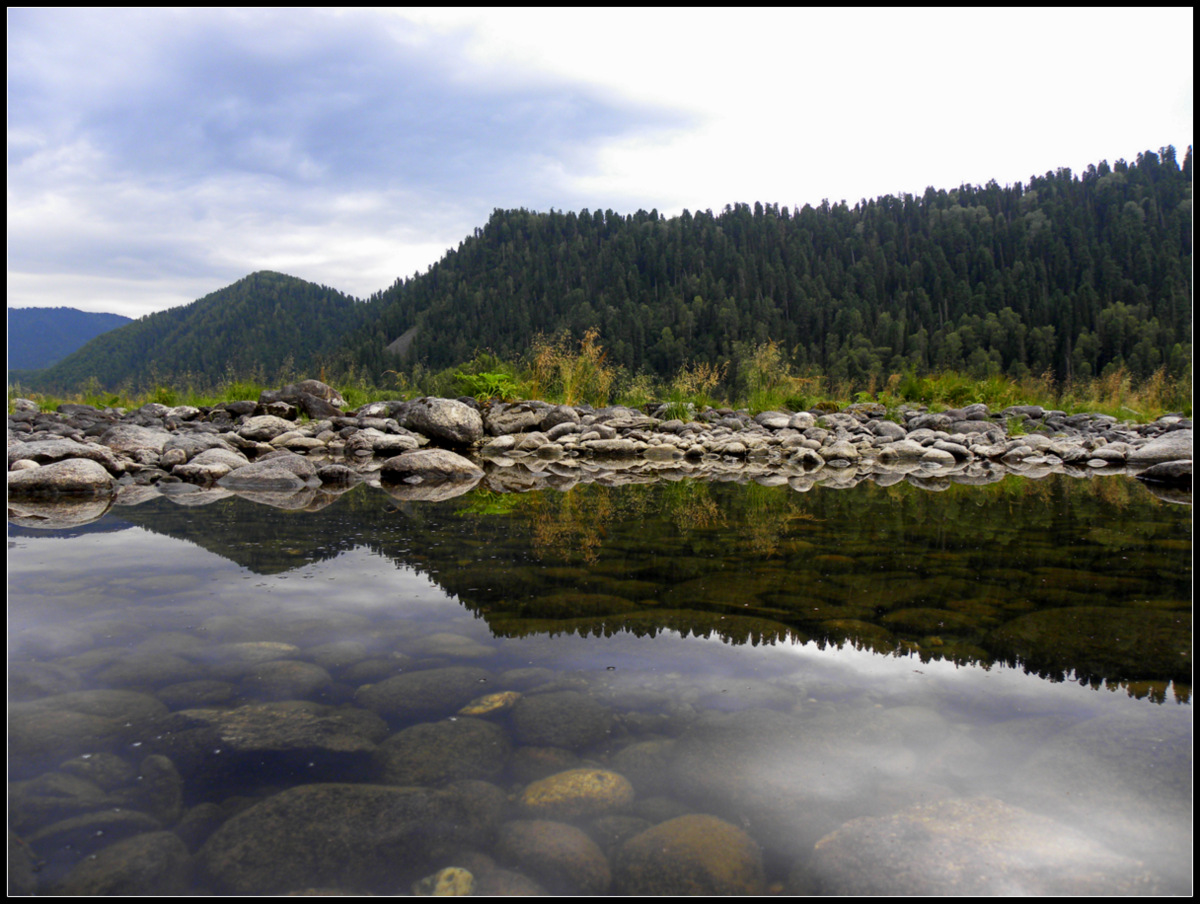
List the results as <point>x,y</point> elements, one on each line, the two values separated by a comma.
<point>266,326</point>
<point>1074,274</point>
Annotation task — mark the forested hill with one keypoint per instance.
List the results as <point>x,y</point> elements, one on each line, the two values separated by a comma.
<point>38,337</point>
<point>1071,272</point>
<point>266,325</point>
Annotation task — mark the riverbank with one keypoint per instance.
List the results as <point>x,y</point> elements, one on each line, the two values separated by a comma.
<point>303,437</point>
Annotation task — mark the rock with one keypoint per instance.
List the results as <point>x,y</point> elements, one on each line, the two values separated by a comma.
<point>262,476</point>
<point>264,428</point>
<point>561,857</point>
<point>773,420</point>
<point>52,729</point>
<point>72,477</point>
<point>968,847</point>
<point>431,465</point>
<point>132,439</point>
<point>447,420</point>
<point>841,450</point>
<point>616,448</point>
<point>22,875</point>
<point>690,855</point>
<point>154,863</point>
<point>503,419</point>
<point>902,450</point>
<point>451,882</point>
<point>423,695</point>
<point>434,753</point>
<point>566,719</point>
<point>52,450</point>
<point>286,742</point>
<point>1173,446</point>
<point>365,838</point>
<point>1171,473</point>
<point>576,793</point>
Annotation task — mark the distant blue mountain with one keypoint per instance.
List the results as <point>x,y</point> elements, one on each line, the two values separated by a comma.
<point>39,337</point>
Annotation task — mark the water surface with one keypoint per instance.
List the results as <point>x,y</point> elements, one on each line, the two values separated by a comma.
<point>848,678</point>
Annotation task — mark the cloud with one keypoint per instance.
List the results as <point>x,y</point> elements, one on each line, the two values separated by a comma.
<point>223,143</point>
<point>155,148</point>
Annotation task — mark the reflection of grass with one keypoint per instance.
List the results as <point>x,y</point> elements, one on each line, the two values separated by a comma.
<point>482,501</point>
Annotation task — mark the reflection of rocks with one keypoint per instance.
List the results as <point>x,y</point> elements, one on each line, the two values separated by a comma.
<point>359,837</point>
<point>692,855</point>
<point>966,847</point>
<point>57,514</point>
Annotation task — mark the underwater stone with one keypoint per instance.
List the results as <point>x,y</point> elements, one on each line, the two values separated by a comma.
<point>424,695</point>
<point>357,837</point>
<point>560,719</point>
<point>560,856</point>
<point>577,793</point>
<point>437,752</point>
<point>153,863</point>
<point>693,855</point>
<point>967,847</point>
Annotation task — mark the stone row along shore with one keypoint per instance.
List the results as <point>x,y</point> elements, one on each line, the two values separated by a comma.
<point>431,448</point>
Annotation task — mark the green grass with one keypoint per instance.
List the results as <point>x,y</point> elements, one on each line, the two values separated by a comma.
<point>562,371</point>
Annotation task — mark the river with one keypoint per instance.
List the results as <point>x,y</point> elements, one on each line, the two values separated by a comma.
<point>686,687</point>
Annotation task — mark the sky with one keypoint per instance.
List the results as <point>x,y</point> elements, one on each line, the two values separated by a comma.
<point>155,156</point>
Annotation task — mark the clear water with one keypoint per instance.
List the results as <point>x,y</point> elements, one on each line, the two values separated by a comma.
<point>885,689</point>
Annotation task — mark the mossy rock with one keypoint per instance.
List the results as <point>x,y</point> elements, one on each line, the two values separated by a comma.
<point>690,855</point>
<point>577,793</point>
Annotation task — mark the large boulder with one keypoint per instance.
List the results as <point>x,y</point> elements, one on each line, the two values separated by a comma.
<point>429,465</point>
<point>71,477</point>
<point>1173,446</point>
<point>51,450</point>
<point>363,838</point>
<point>446,420</point>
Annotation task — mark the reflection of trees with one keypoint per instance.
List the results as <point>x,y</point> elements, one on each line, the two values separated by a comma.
<point>895,570</point>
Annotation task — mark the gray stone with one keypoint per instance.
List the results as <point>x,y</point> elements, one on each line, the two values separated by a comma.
<point>446,420</point>
<point>565,719</point>
<point>434,753</point>
<point>264,428</point>
<point>363,838</point>
<point>424,695</point>
<point>287,742</point>
<point>1172,473</point>
<point>1173,446</point>
<point>432,465</point>
<point>72,477</point>
<point>130,438</point>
